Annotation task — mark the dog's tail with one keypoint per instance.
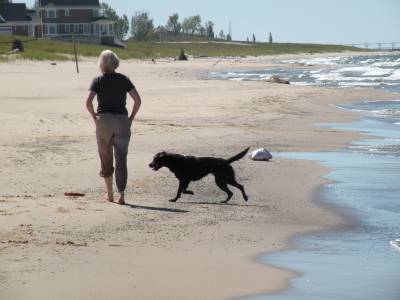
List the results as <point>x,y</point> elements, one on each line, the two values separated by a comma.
<point>238,156</point>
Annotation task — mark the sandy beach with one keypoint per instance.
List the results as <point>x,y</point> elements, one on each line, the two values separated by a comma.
<point>54,247</point>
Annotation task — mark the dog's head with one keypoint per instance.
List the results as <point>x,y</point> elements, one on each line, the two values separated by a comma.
<point>159,161</point>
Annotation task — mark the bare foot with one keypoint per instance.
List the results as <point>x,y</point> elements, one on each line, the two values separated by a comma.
<point>121,200</point>
<point>109,198</point>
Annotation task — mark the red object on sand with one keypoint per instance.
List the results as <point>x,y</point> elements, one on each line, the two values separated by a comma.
<point>74,195</point>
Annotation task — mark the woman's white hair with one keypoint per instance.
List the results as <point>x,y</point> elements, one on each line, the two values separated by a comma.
<point>108,61</point>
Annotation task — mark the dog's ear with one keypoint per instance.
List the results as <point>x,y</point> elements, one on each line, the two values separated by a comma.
<point>160,154</point>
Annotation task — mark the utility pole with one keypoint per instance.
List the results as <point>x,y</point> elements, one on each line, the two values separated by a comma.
<point>75,52</point>
<point>41,18</point>
<point>230,28</point>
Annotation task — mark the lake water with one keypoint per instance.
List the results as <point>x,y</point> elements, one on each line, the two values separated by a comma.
<point>377,71</point>
<point>361,261</point>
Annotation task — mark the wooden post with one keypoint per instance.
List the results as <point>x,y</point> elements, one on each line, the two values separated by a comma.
<point>75,52</point>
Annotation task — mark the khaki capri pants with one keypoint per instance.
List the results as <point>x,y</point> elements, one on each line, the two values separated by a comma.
<point>113,133</point>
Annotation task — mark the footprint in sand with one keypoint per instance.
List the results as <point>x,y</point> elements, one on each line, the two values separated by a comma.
<point>71,243</point>
<point>62,210</point>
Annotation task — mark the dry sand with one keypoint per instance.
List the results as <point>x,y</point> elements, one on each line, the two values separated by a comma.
<point>53,247</point>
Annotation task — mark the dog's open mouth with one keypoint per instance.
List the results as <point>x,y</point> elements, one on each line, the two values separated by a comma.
<point>154,167</point>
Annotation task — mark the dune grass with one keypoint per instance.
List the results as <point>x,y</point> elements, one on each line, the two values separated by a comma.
<point>46,49</point>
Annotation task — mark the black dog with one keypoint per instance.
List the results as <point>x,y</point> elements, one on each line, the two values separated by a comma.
<point>190,168</point>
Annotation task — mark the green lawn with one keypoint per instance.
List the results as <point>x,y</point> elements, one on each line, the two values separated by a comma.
<point>54,50</point>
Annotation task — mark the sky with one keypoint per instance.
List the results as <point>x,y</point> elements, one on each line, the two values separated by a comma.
<point>315,21</point>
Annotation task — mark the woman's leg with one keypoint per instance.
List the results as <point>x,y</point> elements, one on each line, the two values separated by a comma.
<point>104,134</point>
<point>121,145</point>
<point>109,187</point>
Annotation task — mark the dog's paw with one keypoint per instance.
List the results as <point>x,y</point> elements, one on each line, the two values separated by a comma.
<point>173,200</point>
<point>224,202</point>
<point>189,193</point>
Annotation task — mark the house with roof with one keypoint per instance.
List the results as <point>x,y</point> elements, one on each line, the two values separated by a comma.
<point>58,19</point>
<point>16,19</point>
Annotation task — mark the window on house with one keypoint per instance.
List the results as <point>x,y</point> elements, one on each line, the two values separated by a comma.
<point>86,29</point>
<point>52,29</point>
<point>66,12</point>
<point>51,13</point>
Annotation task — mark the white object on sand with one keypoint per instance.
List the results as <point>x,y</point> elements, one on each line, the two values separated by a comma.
<point>260,155</point>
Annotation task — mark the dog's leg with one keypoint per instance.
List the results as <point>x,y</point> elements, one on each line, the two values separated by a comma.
<point>186,191</point>
<point>241,188</point>
<point>222,185</point>
<point>182,188</point>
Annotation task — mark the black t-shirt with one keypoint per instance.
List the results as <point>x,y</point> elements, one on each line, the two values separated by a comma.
<point>111,90</point>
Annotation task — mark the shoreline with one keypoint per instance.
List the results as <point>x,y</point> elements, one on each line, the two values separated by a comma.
<point>264,114</point>
<point>291,243</point>
<point>350,212</point>
<point>351,220</point>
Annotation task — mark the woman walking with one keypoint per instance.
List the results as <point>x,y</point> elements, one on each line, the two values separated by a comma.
<point>113,123</point>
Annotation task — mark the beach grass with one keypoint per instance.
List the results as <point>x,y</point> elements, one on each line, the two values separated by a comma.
<point>46,49</point>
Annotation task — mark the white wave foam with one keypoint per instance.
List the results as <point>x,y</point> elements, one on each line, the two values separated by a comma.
<point>302,83</point>
<point>317,61</point>
<point>396,244</point>
<point>387,112</point>
<point>359,84</point>
<point>386,64</point>
<point>395,75</point>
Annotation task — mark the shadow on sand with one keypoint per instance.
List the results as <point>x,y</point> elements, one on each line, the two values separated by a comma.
<point>161,209</point>
<point>221,204</point>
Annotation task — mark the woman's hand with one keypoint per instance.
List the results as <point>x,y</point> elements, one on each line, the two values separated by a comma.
<point>89,105</point>
<point>137,103</point>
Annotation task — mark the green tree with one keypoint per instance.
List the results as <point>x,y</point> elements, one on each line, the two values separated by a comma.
<point>192,25</point>
<point>221,35</point>
<point>4,1</point>
<point>203,31</point>
<point>125,25</point>
<point>121,23</point>
<point>270,39</point>
<point>229,37</point>
<point>173,24</point>
<point>142,27</point>
<point>209,26</point>
<point>254,38</point>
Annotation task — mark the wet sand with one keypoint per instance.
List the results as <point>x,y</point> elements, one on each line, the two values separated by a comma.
<point>53,247</point>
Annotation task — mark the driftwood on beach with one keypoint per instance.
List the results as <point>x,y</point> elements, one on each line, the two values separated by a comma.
<point>277,79</point>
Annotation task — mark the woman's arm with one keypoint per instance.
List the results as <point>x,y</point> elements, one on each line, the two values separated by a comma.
<point>137,103</point>
<point>89,104</point>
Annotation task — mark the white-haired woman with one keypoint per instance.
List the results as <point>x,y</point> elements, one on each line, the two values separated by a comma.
<point>113,123</point>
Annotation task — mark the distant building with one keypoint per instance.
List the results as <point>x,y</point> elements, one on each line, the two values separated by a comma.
<point>58,19</point>
<point>16,19</point>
